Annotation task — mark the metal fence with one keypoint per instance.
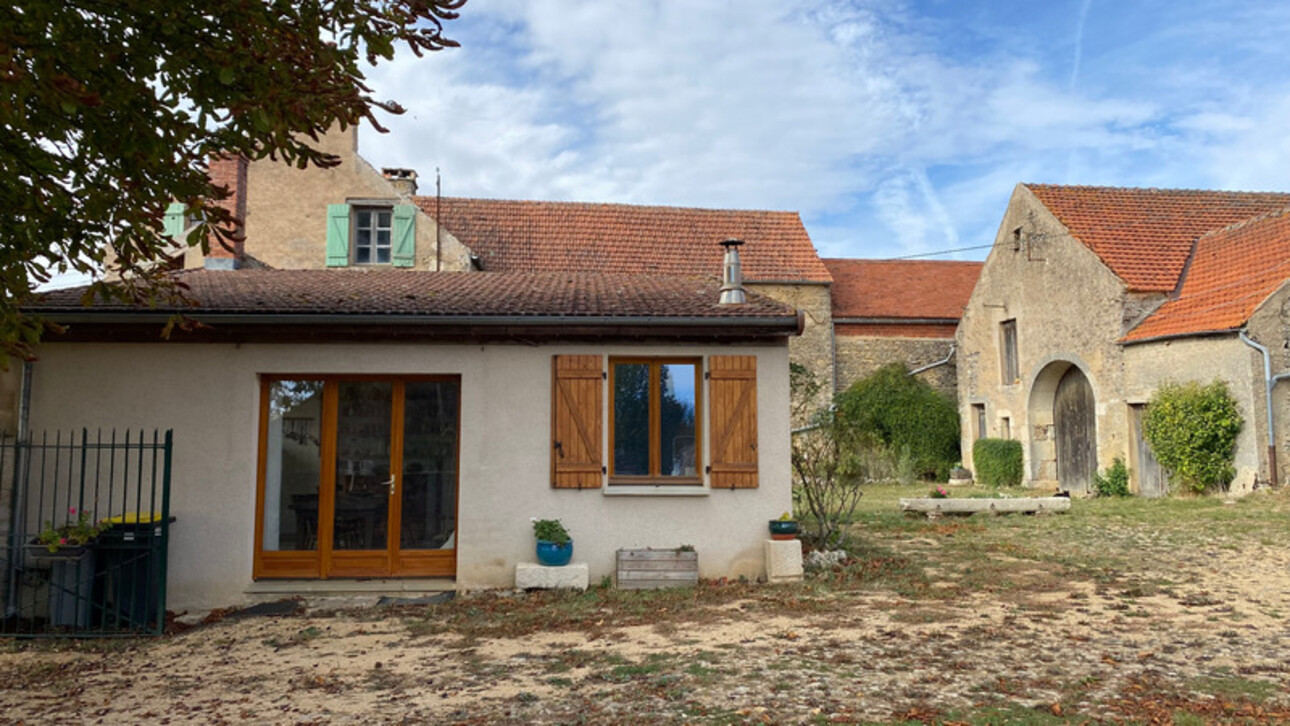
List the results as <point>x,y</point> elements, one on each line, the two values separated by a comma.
<point>112,489</point>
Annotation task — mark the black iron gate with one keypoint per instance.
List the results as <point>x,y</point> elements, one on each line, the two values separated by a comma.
<point>86,523</point>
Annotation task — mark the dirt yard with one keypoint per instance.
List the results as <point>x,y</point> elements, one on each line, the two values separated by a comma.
<point>1137,612</point>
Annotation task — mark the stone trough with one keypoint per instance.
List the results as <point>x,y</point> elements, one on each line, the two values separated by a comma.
<point>934,507</point>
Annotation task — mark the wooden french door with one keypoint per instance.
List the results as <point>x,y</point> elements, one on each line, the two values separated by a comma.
<point>358,476</point>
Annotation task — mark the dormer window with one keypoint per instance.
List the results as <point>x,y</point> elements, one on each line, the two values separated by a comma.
<point>372,226</point>
<point>371,233</point>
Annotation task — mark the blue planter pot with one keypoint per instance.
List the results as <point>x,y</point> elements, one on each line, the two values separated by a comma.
<point>551,554</point>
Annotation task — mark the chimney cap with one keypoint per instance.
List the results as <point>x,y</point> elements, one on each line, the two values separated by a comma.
<point>395,173</point>
<point>731,242</point>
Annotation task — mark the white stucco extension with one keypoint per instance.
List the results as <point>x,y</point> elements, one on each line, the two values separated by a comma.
<point>209,395</point>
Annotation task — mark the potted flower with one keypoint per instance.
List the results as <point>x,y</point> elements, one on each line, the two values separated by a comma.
<point>784,528</point>
<point>554,545</point>
<point>70,539</point>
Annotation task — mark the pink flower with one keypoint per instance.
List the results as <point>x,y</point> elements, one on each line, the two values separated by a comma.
<point>62,540</point>
<point>71,510</point>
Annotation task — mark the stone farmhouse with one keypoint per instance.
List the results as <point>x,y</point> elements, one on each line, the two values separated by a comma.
<point>1091,297</point>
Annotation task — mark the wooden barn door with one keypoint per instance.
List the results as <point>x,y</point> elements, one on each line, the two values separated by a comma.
<point>1151,477</point>
<point>1073,413</point>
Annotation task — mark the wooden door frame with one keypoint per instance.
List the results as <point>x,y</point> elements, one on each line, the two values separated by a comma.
<point>321,563</point>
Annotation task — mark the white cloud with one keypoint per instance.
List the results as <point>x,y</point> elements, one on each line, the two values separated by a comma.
<point>888,129</point>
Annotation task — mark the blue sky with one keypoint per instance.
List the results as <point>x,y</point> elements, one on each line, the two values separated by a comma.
<point>895,128</point>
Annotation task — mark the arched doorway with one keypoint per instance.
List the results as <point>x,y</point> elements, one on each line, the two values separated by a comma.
<point>1075,424</point>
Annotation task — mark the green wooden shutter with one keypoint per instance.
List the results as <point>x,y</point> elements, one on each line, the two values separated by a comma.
<point>174,221</point>
<point>403,245</point>
<point>337,235</point>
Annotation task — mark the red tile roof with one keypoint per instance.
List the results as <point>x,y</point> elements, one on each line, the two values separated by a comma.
<point>525,236</point>
<point>1146,235</point>
<point>1232,271</point>
<point>901,288</point>
<point>430,295</point>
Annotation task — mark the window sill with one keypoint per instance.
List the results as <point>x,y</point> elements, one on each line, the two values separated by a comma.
<point>696,489</point>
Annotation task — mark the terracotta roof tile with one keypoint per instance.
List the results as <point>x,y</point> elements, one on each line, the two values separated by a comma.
<point>901,288</point>
<point>441,294</point>
<point>1146,235</point>
<point>1232,271</point>
<point>528,236</point>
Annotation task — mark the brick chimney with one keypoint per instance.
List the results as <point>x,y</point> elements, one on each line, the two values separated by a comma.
<point>229,172</point>
<point>404,180</point>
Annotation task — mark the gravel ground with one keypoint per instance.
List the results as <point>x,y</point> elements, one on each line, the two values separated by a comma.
<point>1186,636</point>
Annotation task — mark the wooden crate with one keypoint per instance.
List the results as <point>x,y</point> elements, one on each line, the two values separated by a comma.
<point>650,568</point>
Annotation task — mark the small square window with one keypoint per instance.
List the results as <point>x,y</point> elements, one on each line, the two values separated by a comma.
<point>372,232</point>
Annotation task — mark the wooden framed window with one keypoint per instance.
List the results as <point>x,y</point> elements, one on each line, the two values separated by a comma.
<point>654,420</point>
<point>1008,352</point>
<point>373,229</point>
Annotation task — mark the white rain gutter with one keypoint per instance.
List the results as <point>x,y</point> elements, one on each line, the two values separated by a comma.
<point>937,364</point>
<point>1269,382</point>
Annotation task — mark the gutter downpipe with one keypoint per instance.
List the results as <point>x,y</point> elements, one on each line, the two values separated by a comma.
<point>1268,382</point>
<point>937,364</point>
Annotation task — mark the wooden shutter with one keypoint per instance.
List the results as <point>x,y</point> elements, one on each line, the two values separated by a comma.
<point>174,221</point>
<point>576,394</point>
<point>403,243</point>
<point>337,235</point>
<point>732,396</point>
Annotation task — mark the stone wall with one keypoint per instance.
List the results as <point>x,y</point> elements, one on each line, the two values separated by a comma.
<point>1226,358</point>
<point>814,347</point>
<point>858,356</point>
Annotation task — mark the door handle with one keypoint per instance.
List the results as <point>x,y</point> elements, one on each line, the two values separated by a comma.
<point>391,484</point>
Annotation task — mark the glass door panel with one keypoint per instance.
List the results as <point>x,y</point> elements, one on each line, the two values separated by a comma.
<point>428,498</point>
<point>293,466</point>
<point>364,481</point>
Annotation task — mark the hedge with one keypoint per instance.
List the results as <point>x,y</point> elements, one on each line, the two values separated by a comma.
<point>1192,430</point>
<point>912,419</point>
<point>998,462</point>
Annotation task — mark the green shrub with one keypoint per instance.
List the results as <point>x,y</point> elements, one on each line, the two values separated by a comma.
<point>1192,430</point>
<point>916,422</point>
<point>998,462</point>
<point>1114,482</point>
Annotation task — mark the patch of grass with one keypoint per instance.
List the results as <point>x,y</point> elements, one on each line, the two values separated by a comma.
<point>1235,688</point>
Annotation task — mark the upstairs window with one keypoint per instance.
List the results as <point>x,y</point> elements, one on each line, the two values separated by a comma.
<point>372,227</point>
<point>371,234</point>
<point>1008,352</point>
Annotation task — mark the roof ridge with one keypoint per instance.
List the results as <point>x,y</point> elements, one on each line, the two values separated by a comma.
<point>827,260</point>
<point>1246,222</point>
<point>1178,190</point>
<point>536,202</point>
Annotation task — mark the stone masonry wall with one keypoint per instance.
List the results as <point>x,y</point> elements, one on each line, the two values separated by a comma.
<point>858,356</point>
<point>814,347</point>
